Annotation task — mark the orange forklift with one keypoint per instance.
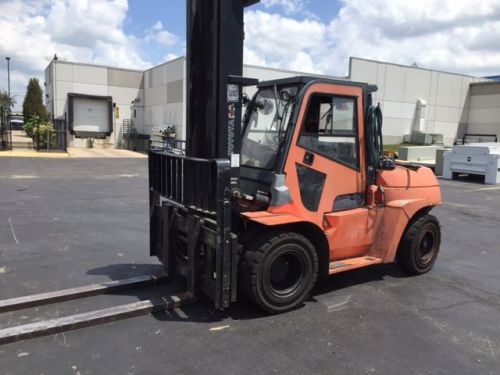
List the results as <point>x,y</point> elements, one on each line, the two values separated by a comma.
<point>273,193</point>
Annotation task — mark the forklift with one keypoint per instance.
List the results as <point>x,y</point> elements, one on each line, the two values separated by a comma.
<point>276,192</point>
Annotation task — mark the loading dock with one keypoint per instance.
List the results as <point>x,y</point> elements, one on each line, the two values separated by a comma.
<point>90,116</point>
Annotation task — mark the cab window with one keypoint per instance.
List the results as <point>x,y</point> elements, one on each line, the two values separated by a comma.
<point>329,129</point>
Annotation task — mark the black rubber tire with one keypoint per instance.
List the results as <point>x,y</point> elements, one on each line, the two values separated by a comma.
<point>278,272</point>
<point>419,246</point>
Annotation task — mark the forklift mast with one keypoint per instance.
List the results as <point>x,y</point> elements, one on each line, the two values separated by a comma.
<point>190,195</point>
<point>215,35</point>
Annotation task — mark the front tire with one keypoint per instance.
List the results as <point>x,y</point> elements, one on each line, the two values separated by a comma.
<point>419,246</point>
<point>278,272</point>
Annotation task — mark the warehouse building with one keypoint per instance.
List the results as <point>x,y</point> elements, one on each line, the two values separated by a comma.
<point>103,103</point>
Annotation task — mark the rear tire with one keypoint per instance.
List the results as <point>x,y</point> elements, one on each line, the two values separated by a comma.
<point>419,246</point>
<point>279,271</point>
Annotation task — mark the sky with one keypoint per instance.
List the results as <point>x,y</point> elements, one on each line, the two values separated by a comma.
<point>316,36</point>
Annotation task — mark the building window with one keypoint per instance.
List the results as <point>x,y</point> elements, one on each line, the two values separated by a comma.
<point>135,114</point>
<point>330,129</point>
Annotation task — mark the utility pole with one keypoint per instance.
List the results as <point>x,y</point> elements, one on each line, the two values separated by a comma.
<point>8,80</point>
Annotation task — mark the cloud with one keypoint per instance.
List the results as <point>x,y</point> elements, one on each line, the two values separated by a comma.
<point>159,34</point>
<point>83,22</point>
<point>171,56</point>
<point>289,6</point>
<point>277,41</point>
<point>434,34</point>
<point>450,35</point>
<point>76,30</point>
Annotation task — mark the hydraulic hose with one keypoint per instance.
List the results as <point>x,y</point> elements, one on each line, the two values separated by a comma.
<point>375,144</point>
<point>374,136</point>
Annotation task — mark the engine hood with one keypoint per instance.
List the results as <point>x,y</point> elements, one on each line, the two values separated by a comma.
<point>406,178</point>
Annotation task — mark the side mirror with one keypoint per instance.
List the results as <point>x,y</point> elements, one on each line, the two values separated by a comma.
<point>285,96</point>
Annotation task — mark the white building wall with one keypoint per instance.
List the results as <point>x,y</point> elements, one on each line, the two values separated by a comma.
<point>49,89</point>
<point>159,96</point>
<point>122,85</point>
<point>165,96</point>
<point>446,95</point>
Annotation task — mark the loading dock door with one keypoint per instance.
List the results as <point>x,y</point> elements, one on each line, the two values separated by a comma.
<point>90,115</point>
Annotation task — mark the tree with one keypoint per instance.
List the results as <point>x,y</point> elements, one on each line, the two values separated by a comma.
<point>5,100</point>
<point>33,101</point>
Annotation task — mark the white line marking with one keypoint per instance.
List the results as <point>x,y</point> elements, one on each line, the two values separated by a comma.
<point>220,328</point>
<point>20,177</point>
<point>111,176</point>
<point>455,204</point>
<point>338,306</point>
<point>12,229</point>
<point>127,175</point>
<point>483,189</point>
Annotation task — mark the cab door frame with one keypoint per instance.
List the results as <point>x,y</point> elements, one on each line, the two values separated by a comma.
<point>353,180</point>
<point>339,179</point>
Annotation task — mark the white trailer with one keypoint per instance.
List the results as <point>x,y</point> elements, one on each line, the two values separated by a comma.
<point>475,159</point>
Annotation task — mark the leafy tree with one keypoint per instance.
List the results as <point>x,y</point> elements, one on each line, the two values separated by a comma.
<point>33,101</point>
<point>5,100</point>
<point>29,125</point>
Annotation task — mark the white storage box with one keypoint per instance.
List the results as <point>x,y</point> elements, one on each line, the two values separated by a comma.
<point>475,158</point>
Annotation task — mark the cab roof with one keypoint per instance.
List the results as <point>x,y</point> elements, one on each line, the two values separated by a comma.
<point>303,80</point>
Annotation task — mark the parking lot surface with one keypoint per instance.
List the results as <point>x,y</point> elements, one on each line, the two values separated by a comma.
<point>70,222</point>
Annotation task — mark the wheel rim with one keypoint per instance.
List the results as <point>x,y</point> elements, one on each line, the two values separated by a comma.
<point>426,247</point>
<point>286,274</point>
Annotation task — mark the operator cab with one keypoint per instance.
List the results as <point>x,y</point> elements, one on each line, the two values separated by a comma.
<point>329,128</point>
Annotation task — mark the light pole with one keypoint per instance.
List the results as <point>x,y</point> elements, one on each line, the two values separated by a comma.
<point>9,104</point>
<point>8,80</point>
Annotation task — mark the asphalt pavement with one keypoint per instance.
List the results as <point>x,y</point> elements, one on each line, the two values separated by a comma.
<point>70,222</point>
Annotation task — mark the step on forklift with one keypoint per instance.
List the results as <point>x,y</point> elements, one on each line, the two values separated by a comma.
<point>278,191</point>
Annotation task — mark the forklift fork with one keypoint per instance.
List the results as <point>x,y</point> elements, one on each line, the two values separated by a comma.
<point>191,227</point>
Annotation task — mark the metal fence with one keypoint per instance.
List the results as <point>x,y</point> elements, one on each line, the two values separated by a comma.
<point>132,139</point>
<point>476,138</point>
<point>5,130</point>
<point>51,137</point>
<point>165,138</point>
<point>174,146</point>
